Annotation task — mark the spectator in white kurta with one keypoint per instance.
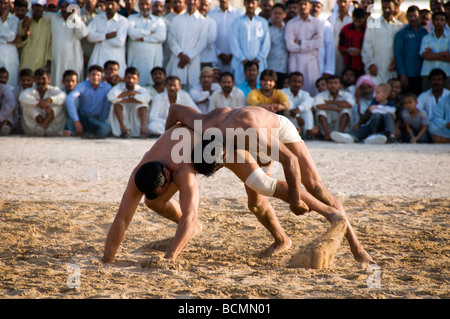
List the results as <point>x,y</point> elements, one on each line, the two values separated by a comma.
<point>327,51</point>
<point>67,52</point>
<point>334,108</point>
<point>87,13</point>
<point>8,31</point>
<point>208,56</point>
<point>129,100</point>
<point>378,45</point>
<point>201,93</point>
<point>249,41</point>
<point>300,110</point>
<point>187,39</point>
<point>146,35</point>
<point>108,31</point>
<point>224,15</point>
<point>304,37</point>
<point>229,94</point>
<point>161,103</point>
<point>428,99</point>
<point>42,107</point>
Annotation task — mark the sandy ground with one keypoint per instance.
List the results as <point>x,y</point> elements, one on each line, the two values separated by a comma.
<point>60,195</point>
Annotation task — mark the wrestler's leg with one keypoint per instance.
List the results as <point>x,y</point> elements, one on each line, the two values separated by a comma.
<point>333,216</point>
<point>264,212</point>
<point>310,175</point>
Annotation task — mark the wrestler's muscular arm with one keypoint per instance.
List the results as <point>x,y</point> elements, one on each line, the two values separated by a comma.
<point>181,113</point>
<point>186,181</point>
<point>130,200</point>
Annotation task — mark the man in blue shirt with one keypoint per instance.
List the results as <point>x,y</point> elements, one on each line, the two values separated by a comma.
<point>89,120</point>
<point>407,57</point>
<point>251,71</point>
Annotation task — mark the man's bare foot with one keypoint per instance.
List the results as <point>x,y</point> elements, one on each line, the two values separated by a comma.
<point>363,258</point>
<point>277,248</point>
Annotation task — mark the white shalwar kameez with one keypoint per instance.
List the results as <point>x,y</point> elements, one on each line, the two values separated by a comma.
<point>108,49</point>
<point>29,99</point>
<point>249,39</point>
<point>160,110</point>
<point>148,53</point>
<point>67,52</point>
<point>130,111</point>
<point>187,34</point>
<point>9,56</point>
<point>378,47</point>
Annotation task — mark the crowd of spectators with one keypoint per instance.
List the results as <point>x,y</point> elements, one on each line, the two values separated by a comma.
<point>96,68</point>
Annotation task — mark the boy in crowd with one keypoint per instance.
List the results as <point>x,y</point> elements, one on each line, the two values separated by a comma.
<point>69,81</point>
<point>378,121</point>
<point>416,121</point>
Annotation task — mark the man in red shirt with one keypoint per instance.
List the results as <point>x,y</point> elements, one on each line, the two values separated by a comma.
<point>351,41</point>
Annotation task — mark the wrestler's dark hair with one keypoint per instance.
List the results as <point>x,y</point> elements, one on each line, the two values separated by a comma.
<point>210,163</point>
<point>149,177</point>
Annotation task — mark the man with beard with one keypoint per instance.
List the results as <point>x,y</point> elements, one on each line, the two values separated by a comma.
<point>129,100</point>
<point>364,92</point>
<point>67,52</point>
<point>428,100</point>
<point>108,31</point>
<point>37,47</point>
<point>230,95</point>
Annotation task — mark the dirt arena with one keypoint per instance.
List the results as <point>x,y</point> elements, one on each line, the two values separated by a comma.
<point>60,195</point>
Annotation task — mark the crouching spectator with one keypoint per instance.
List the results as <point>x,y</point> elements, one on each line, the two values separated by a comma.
<point>128,114</point>
<point>42,107</point>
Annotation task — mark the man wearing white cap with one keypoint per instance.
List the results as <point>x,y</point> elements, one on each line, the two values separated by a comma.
<point>8,31</point>
<point>108,31</point>
<point>66,45</point>
<point>37,47</point>
<point>146,33</point>
<point>187,39</point>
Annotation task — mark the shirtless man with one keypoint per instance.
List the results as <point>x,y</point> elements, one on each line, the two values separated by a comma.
<point>290,143</point>
<point>159,176</point>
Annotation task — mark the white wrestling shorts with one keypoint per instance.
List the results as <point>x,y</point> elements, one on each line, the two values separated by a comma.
<point>287,133</point>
